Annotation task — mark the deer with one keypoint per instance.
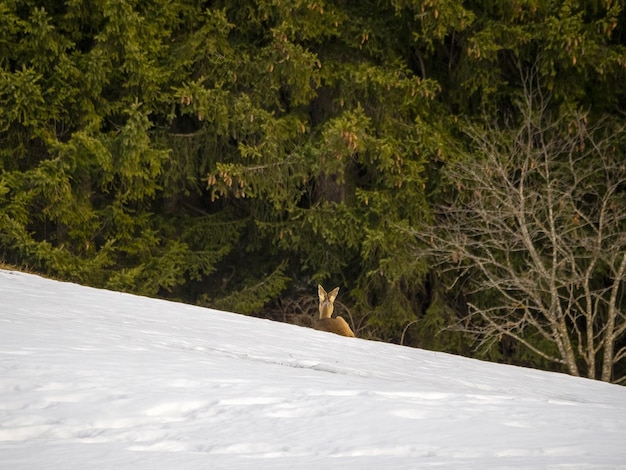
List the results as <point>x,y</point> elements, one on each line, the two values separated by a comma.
<point>325,322</point>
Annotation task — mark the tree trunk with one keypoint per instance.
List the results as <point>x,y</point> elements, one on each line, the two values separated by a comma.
<point>609,336</point>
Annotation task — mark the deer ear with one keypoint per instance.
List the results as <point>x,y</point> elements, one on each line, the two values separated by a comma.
<point>321,292</point>
<point>332,295</point>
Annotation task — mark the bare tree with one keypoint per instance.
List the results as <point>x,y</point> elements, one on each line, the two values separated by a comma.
<point>537,228</point>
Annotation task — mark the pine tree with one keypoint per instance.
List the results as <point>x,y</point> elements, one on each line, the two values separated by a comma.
<point>236,152</point>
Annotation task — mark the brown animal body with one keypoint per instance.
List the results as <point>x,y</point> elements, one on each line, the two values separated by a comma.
<point>325,322</point>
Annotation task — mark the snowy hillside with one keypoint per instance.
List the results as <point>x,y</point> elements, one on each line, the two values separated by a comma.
<point>91,379</point>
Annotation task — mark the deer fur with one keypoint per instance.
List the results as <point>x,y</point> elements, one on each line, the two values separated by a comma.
<point>325,322</point>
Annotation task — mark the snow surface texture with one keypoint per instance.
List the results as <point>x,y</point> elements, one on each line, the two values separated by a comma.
<point>92,379</point>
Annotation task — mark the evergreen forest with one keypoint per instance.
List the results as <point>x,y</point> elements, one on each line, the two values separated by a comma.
<point>458,168</point>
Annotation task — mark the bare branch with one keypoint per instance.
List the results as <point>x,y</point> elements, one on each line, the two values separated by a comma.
<point>538,223</point>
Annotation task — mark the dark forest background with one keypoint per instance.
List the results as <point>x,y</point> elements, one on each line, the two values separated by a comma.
<point>234,154</point>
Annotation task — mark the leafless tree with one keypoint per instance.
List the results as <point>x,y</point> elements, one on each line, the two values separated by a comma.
<point>537,228</point>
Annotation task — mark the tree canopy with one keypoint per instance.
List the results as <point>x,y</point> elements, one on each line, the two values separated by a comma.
<point>236,153</point>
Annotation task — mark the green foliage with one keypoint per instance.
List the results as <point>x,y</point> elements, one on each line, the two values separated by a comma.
<point>253,294</point>
<point>575,44</point>
<point>438,328</point>
<point>187,150</point>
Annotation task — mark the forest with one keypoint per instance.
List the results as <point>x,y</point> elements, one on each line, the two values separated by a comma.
<point>457,167</point>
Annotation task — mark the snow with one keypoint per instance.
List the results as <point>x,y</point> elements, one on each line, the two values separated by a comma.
<point>98,379</point>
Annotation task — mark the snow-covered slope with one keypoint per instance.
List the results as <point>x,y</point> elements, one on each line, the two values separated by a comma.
<point>98,379</point>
